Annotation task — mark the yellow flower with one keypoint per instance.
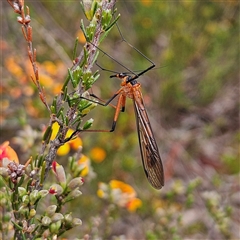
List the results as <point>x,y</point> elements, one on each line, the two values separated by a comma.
<point>103,190</point>
<point>98,154</point>
<point>74,144</point>
<point>63,150</point>
<point>100,193</point>
<point>84,162</point>
<point>55,128</point>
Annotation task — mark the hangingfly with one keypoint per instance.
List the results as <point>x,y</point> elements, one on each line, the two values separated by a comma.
<point>151,159</point>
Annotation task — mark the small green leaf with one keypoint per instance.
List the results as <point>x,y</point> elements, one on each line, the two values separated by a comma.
<point>88,124</point>
<point>75,49</point>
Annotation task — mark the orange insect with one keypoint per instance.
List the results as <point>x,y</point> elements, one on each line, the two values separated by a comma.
<point>151,159</point>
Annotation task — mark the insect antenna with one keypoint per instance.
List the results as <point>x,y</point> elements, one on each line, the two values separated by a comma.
<point>138,51</point>
<point>111,71</point>
<point>111,57</point>
<point>129,71</point>
<point>104,69</point>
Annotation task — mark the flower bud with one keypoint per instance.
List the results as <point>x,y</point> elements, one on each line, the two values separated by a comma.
<point>106,18</point>
<point>45,234</point>
<point>77,222</point>
<point>88,109</point>
<point>55,189</point>
<point>16,8</point>
<point>34,197</point>
<point>27,19</point>
<point>60,173</point>
<point>89,8</point>
<point>24,225</point>
<point>19,19</point>
<point>54,227</point>
<point>24,211</point>
<point>68,218</point>
<point>46,221</point>
<point>33,173</point>
<point>31,228</point>
<point>75,183</point>
<point>57,217</point>
<point>51,210</point>
<point>74,194</point>
<point>43,193</point>
<point>22,191</point>
<point>32,213</point>
<point>88,124</point>
<point>25,200</point>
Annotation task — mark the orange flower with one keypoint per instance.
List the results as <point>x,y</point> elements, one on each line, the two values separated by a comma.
<point>57,88</point>
<point>125,188</point>
<point>98,154</point>
<point>119,193</point>
<point>133,204</point>
<point>46,80</point>
<point>81,37</point>
<point>7,152</point>
<point>50,67</point>
<point>13,67</point>
<point>76,142</point>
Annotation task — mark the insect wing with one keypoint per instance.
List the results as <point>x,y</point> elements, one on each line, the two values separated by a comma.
<point>151,159</point>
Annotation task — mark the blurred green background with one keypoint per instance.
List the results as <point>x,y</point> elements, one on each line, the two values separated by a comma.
<point>192,98</point>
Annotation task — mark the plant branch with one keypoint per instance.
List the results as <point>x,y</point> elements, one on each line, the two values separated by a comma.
<point>80,77</point>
